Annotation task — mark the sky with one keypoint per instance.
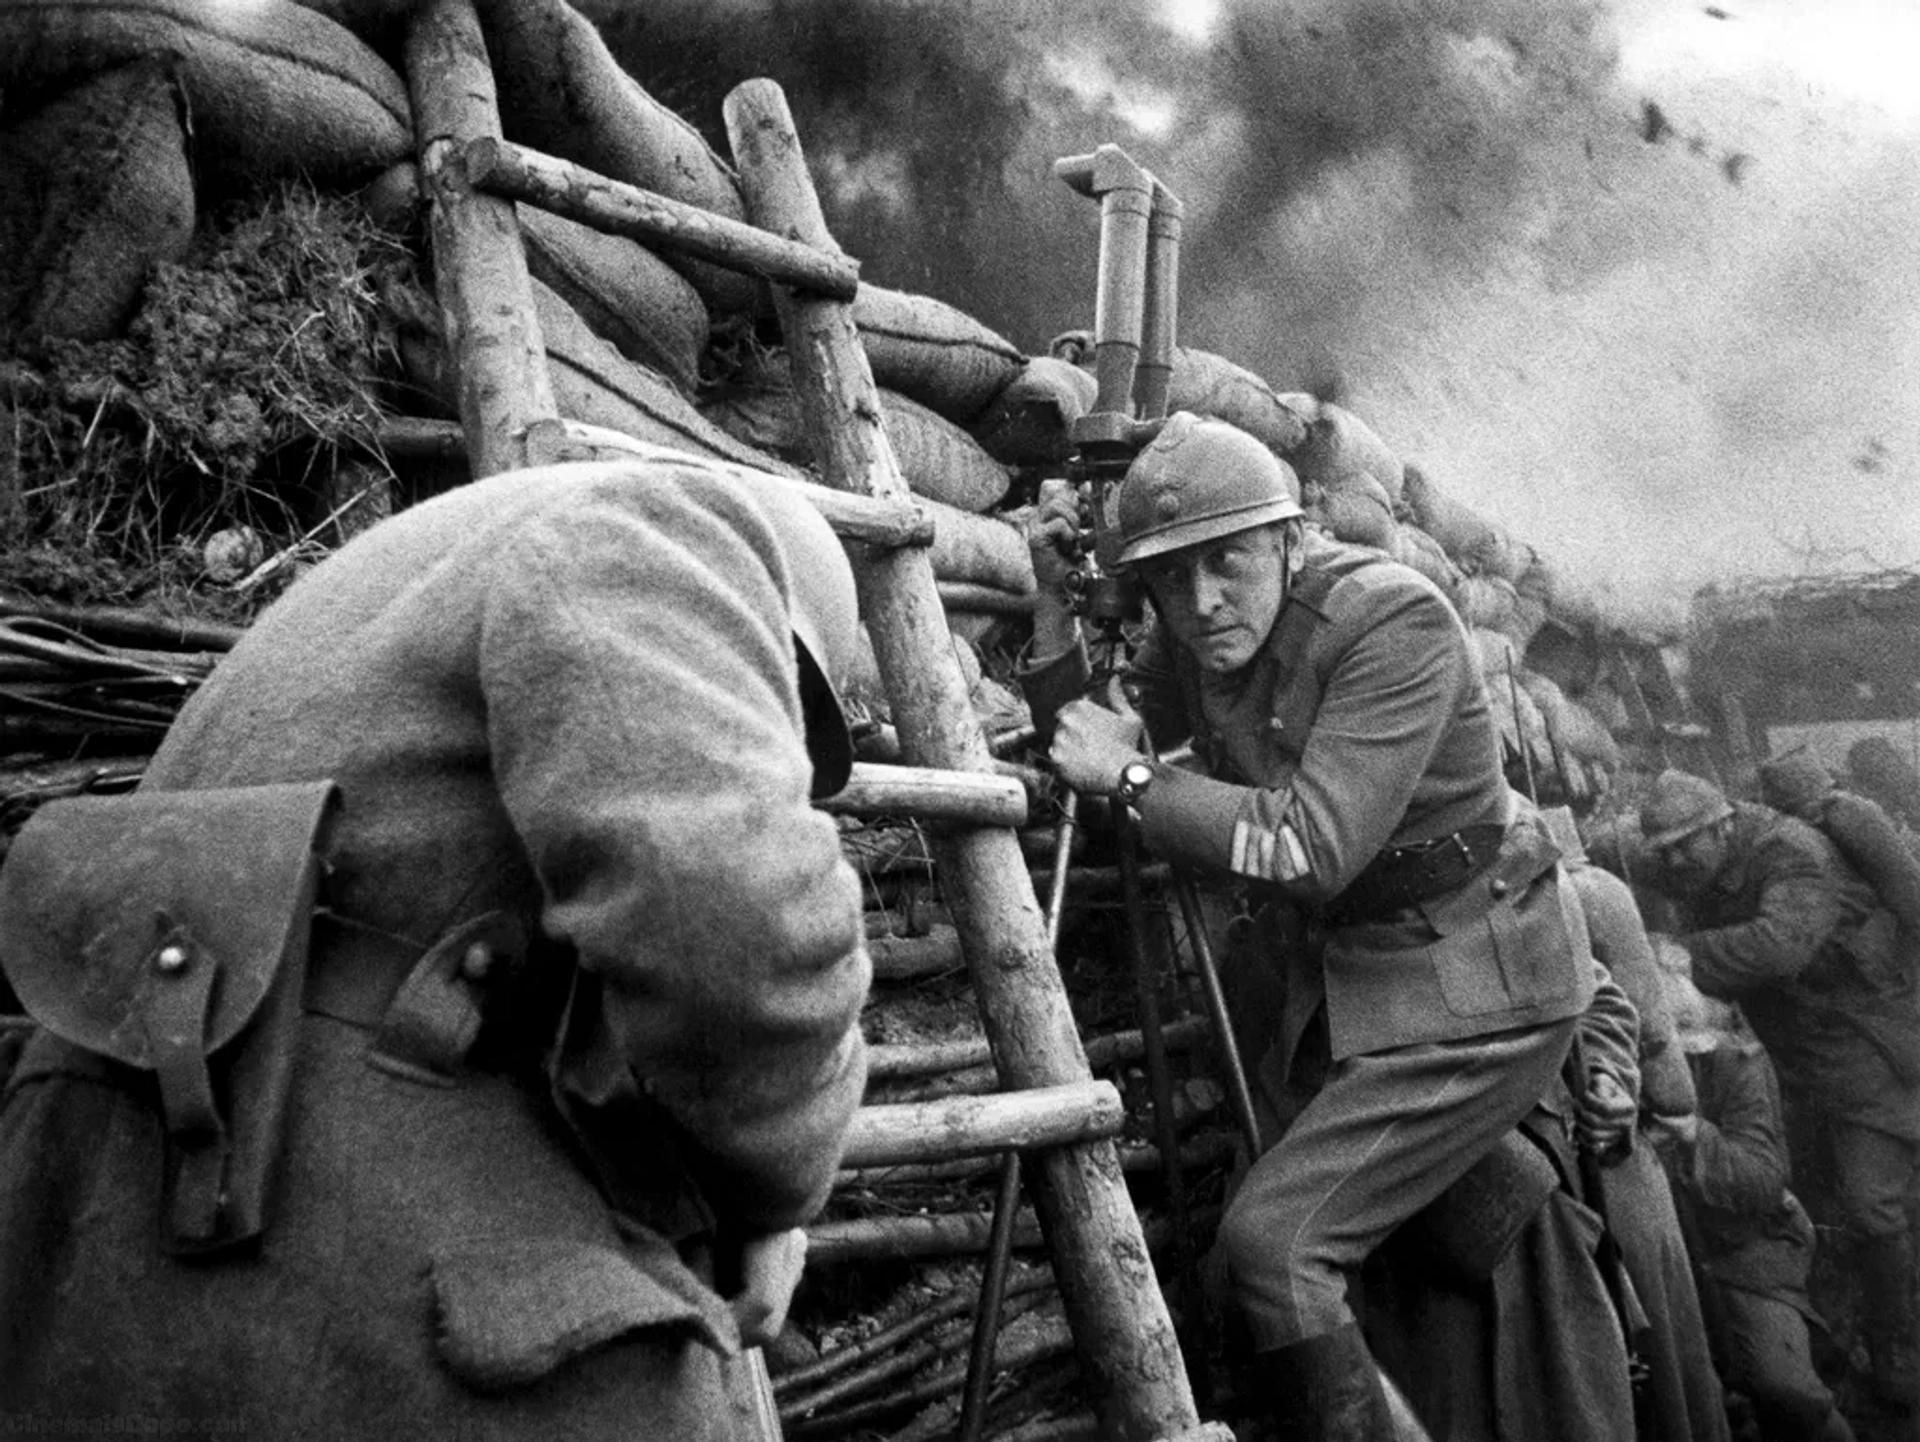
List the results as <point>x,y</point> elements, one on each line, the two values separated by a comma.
<point>1634,277</point>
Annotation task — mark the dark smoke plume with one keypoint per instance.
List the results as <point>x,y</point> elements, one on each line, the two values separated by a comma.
<point>1657,350</point>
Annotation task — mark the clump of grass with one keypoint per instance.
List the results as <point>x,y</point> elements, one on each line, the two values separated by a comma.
<point>252,370</point>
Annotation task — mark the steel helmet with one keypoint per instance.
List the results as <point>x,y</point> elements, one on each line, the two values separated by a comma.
<point>1794,783</point>
<point>1678,805</point>
<point>824,612</point>
<point>1196,481</point>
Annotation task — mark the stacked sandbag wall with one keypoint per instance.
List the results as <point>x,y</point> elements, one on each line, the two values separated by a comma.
<point>137,102</point>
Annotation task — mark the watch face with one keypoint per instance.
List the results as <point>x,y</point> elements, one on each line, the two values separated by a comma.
<point>1134,777</point>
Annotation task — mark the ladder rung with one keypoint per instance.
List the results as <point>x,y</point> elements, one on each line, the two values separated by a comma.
<point>616,208</point>
<point>857,518</point>
<point>871,519</point>
<point>971,798</point>
<point>973,1125</point>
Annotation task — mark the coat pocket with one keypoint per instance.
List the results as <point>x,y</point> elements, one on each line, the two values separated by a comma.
<point>1517,953</point>
<point>513,1310</point>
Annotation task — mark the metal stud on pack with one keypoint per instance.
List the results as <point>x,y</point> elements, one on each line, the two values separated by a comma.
<point>170,958</point>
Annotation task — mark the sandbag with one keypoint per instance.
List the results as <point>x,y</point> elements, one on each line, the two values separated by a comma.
<point>1357,511</point>
<point>1414,547</point>
<point>1533,594</point>
<point>1608,708</point>
<point>1030,423</point>
<point>1522,728</point>
<point>273,89</point>
<point>1303,404</point>
<point>1212,385</point>
<point>1879,772</point>
<point>1487,604</point>
<point>381,23</point>
<point>1581,732</point>
<point>938,460</point>
<point>94,190</point>
<point>934,353</point>
<point>1496,654</point>
<point>1584,755</point>
<point>987,550</point>
<point>1338,445</point>
<point>624,292</point>
<point>561,91</point>
<point>1470,540</point>
<point>593,382</point>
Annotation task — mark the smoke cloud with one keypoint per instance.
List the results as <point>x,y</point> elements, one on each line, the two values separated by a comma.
<point>1652,314</point>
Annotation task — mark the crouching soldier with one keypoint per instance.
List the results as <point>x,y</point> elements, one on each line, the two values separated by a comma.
<point>1778,923</point>
<point>1752,1241</point>
<point>468,999</point>
<point>1349,765</point>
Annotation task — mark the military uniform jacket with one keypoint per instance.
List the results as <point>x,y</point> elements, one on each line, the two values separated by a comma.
<point>1622,946</point>
<point>1800,940</point>
<point>1746,1229</point>
<point>568,694</point>
<point>1362,724</point>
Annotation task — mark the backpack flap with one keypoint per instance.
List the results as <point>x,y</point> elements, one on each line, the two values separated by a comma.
<point>154,930</point>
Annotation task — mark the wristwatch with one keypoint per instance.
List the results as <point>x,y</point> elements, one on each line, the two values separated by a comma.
<point>1135,778</point>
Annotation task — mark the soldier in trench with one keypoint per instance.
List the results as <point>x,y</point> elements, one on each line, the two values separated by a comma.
<point>1779,924</point>
<point>526,1151</point>
<point>1349,772</point>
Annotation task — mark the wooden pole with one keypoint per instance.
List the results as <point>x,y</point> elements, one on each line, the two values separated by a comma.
<point>853,518</point>
<point>479,265</point>
<point>1123,1334</point>
<point>969,798</point>
<point>905,1238</point>
<point>615,208</point>
<point>967,1126</point>
<point>846,1357</point>
<point>972,1070</point>
<point>914,958</point>
<point>949,1234</point>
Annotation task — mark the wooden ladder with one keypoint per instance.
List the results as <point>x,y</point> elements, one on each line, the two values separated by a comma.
<point>1123,1334</point>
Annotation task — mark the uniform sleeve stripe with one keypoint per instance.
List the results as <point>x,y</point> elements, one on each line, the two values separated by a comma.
<point>1293,855</point>
<point>1268,855</point>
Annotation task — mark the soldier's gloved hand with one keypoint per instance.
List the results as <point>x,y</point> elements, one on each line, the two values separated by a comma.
<point>770,1269</point>
<point>1091,744</point>
<point>1604,1114</point>
<point>1053,535</point>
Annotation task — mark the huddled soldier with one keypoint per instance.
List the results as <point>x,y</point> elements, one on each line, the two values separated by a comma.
<point>1752,1241</point>
<point>577,1043</point>
<point>1777,922</point>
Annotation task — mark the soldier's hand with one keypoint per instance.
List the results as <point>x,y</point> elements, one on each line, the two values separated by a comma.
<point>1053,534</point>
<point>1682,1130</point>
<point>770,1269</point>
<point>1604,1113</point>
<point>1091,744</point>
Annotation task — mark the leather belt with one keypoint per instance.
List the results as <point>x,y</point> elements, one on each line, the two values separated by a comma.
<point>353,972</point>
<point>1404,876</point>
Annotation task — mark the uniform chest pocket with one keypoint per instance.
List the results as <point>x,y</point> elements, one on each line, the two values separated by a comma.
<point>1511,951</point>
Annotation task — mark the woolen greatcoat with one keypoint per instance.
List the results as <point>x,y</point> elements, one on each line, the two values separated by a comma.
<point>1686,1400</point>
<point>1802,943</point>
<point>1752,1241</point>
<point>1362,724</point>
<point>570,694</point>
